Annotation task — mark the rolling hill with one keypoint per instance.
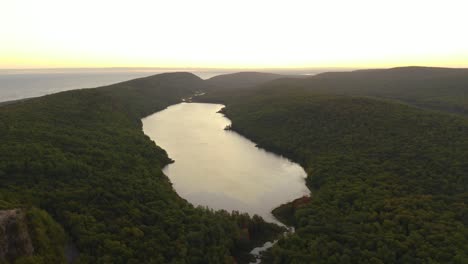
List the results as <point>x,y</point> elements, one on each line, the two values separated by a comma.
<point>242,80</point>
<point>442,89</point>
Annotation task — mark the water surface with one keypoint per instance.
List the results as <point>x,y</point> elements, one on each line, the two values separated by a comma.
<point>218,168</point>
<point>20,84</point>
<point>25,83</point>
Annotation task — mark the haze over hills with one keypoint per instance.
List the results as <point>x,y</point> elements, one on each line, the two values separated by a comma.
<point>244,79</point>
<point>411,84</point>
<point>443,89</point>
<point>399,73</point>
<point>18,84</point>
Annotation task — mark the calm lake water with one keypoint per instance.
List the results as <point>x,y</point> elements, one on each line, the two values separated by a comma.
<point>218,168</point>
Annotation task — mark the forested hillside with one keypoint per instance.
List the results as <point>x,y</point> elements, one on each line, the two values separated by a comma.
<point>435,88</point>
<point>82,157</point>
<point>389,182</point>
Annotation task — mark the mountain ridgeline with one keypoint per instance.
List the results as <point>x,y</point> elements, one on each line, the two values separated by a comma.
<point>385,152</point>
<point>441,89</point>
<point>242,80</point>
<point>435,88</point>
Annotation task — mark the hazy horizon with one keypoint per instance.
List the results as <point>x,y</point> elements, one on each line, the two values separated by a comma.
<point>117,68</point>
<point>204,69</point>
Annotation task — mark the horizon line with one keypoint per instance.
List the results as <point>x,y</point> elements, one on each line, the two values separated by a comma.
<point>228,68</point>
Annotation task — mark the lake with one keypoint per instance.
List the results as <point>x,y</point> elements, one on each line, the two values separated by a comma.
<point>219,168</point>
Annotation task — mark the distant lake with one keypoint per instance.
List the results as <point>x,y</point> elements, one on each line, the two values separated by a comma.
<point>20,84</point>
<point>219,168</point>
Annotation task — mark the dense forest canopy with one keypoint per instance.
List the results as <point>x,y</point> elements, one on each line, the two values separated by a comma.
<point>389,181</point>
<point>82,157</point>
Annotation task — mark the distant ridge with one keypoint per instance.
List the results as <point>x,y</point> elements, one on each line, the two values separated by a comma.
<point>398,73</point>
<point>168,78</point>
<point>244,79</point>
<point>443,89</point>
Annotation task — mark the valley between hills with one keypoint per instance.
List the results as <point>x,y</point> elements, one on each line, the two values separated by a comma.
<point>385,152</point>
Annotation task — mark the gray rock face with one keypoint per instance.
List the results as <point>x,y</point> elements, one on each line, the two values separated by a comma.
<point>14,236</point>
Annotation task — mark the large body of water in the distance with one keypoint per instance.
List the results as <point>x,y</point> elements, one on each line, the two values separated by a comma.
<point>26,83</point>
<point>20,84</point>
<point>219,168</point>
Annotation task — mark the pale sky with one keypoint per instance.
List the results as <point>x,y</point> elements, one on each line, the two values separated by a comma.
<point>233,34</point>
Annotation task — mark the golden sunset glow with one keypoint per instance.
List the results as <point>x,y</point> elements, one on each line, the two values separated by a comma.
<point>232,34</point>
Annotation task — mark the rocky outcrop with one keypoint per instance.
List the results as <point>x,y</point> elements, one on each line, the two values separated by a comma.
<point>15,240</point>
